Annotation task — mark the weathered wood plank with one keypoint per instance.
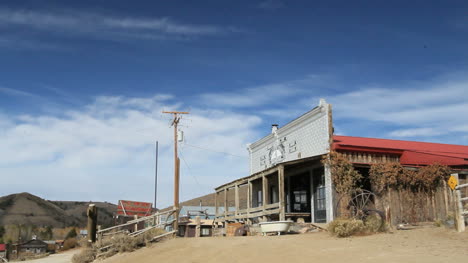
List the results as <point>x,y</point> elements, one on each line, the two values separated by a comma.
<point>264,192</point>
<point>236,198</point>
<point>281,193</point>
<point>249,194</point>
<point>225,203</point>
<point>141,219</point>
<point>216,203</point>
<point>461,186</point>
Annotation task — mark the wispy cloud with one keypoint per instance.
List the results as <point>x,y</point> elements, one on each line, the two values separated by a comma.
<point>106,26</point>
<point>275,95</point>
<point>16,92</point>
<point>415,132</point>
<point>434,104</point>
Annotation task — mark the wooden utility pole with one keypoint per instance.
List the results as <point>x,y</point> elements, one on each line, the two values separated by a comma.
<point>156,178</point>
<point>175,122</point>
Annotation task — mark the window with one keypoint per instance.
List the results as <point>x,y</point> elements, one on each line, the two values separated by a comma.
<point>259,198</point>
<point>273,194</point>
<point>205,232</point>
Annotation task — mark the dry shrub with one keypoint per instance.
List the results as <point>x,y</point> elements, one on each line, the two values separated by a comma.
<point>83,242</point>
<point>385,176</point>
<point>123,243</point>
<point>146,237</point>
<point>346,227</point>
<point>70,243</point>
<point>86,255</point>
<point>430,177</point>
<point>343,227</point>
<point>373,224</point>
<point>344,177</point>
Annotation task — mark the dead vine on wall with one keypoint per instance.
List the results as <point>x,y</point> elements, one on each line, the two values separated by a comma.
<point>386,176</point>
<point>345,178</point>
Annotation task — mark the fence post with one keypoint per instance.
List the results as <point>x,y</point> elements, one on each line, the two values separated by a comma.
<point>92,223</point>
<point>197,226</point>
<point>459,218</point>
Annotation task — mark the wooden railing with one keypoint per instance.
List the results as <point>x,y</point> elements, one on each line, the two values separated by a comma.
<point>157,219</point>
<point>265,210</point>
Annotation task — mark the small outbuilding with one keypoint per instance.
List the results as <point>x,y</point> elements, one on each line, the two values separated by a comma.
<point>3,251</point>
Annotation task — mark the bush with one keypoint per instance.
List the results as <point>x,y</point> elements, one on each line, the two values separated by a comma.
<point>348,227</point>
<point>71,234</point>
<point>70,243</point>
<point>86,255</point>
<point>345,227</point>
<point>123,243</point>
<point>373,224</point>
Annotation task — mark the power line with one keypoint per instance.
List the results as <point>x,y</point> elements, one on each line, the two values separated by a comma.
<point>189,169</point>
<point>211,150</point>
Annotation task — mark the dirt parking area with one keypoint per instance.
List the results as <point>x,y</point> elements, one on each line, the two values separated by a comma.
<point>419,245</point>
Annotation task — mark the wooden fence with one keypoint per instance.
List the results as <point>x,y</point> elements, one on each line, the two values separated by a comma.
<point>406,206</point>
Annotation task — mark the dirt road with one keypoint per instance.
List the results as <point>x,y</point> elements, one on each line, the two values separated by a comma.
<point>64,257</point>
<point>420,245</point>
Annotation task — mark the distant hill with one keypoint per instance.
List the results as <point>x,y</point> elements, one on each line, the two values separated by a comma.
<point>28,209</point>
<point>78,209</point>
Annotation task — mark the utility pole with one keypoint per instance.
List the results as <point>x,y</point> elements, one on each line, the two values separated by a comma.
<point>175,122</point>
<point>156,178</point>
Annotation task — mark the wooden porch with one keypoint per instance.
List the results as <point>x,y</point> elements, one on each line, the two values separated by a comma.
<point>264,195</point>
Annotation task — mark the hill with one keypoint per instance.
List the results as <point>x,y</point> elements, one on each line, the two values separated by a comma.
<point>28,209</point>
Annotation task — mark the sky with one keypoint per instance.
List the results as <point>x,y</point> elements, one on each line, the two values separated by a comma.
<point>83,85</point>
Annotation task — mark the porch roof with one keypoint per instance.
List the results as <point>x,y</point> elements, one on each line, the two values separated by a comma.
<point>267,171</point>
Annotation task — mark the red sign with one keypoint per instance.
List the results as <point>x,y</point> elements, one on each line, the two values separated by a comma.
<point>132,208</point>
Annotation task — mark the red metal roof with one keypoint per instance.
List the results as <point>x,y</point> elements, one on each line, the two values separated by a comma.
<point>410,152</point>
<point>2,247</point>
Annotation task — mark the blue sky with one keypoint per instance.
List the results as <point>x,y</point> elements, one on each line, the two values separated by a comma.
<point>83,84</point>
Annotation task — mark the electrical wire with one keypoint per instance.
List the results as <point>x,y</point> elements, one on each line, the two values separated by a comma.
<point>190,170</point>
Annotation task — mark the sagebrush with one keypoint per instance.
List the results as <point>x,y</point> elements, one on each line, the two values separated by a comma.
<point>344,227</point>
<point>86,255</point>
<point>118,243</point>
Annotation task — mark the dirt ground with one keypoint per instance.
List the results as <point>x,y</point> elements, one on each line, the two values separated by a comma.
<point>64,257</point>
<point>419,245</point>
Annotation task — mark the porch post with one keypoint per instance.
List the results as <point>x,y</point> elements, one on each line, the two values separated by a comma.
<point>264,187</point>
<point>328,193</point>
<point>249,193</point>
<point>236,198</point>
<point>216,204</point>
<point>225,204</point>
<point>249,199</point>
<point>282,215</point>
